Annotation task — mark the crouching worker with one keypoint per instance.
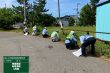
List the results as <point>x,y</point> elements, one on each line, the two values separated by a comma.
<point>55,36</point>
<point>34,33</point>
<point>70,41</point>
<point>88,41</point>
<point>44,32</point>
<point>26,31</point>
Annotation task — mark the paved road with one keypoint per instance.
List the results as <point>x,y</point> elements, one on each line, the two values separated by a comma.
<point>56,59</point>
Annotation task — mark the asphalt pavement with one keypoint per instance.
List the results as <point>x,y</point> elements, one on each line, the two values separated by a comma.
<point>47,56</point>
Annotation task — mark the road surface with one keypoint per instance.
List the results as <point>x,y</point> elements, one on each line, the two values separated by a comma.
<point>48,57</point>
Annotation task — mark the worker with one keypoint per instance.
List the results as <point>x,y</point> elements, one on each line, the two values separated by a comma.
<point>70,41</point>
<point>44,32</point>
<point>88,41</point>
<point>26,31</point>
<point>55,36</point>
<point>34,30</point>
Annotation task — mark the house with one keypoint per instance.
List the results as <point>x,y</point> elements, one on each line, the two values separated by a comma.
<point>64,19</point>
<point>103,21</point>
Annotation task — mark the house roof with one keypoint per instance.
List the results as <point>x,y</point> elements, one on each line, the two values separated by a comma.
<point>103,3</point>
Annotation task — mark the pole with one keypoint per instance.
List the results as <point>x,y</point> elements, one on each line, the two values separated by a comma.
<point>77,10</point>
<point>25,12</point>
<point>5,5</point>
<point>59,16</point>
<point>59,9</point>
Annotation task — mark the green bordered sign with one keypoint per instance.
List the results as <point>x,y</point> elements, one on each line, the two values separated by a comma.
<point>16,64</point>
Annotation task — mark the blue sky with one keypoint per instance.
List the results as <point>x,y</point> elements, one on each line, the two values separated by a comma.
<point>67,7</point>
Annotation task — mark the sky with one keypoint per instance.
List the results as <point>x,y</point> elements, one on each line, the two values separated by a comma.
<point>67,7</point>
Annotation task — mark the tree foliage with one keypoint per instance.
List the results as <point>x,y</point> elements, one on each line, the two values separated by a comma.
<point>71,21</point>
<point>86,16</point>
<point>18,13</point>
<point>7,18</point>
<point>22,1</point>
<point>88,13</point>
<point>36,14</point>
<point>39,12</point>
<point>93,4</point>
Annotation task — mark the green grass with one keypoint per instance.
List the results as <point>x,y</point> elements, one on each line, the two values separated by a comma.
<point>12,30</point>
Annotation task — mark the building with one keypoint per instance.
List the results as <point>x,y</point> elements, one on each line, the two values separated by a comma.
<point>65,21</point>
<point>103,21</point>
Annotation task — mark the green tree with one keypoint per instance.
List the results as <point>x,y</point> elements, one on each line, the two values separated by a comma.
<point>47,20</point>
<point>93,6</point>
<point>86,15</point>
<point>36,12</point>
<point>24,6</point>
<point>18,13</point>
<point>7,16</point>
<point>39,11</point>
<point>22,1</point>
<point>71,21</point>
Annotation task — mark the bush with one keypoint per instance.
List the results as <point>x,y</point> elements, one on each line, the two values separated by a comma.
<point>6,18</point>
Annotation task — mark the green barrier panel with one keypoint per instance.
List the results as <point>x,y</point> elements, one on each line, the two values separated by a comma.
<point>16,64</point>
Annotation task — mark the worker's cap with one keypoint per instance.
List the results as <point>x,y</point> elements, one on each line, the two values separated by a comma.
<point>45,27</point>
<point>72,32</point>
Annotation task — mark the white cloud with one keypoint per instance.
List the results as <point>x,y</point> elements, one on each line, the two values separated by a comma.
<point>8,3</point>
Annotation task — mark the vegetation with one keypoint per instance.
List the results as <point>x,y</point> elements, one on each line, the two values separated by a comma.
<point>71,21</point>
<point>7,18</point>
<point>88,13</point>
<point>35,14</point>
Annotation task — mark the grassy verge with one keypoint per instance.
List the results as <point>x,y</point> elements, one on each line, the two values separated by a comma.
<point>12,30</point>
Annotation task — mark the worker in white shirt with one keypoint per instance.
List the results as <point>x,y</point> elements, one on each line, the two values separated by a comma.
<point>45,32</point>
<point>88,40</point>
<point>26,31</point>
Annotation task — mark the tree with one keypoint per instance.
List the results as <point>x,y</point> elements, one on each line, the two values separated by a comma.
<point>6,18</point>
<point>18,13</point>
<point>25,7</point>
<point>22,1</point>
<point>47,20</point>
<point>86,15</point>
<point>93,6</point>
<point>94,3</point>
<point>39,11</point>
<point>71,21</point>
<point>36,12</point>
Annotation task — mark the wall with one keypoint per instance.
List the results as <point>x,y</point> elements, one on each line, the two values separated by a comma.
<point>103,21</point>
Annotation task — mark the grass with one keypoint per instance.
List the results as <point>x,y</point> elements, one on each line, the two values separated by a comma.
<point>102,48</point>
<point>12,30</point>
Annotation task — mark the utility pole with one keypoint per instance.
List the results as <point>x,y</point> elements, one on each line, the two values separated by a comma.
<point>77,9</point>
<point>25,19</point>
<point>60,22</point>
<point>5,5</point>
<point>77,13</point>
<point>59,9</point>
